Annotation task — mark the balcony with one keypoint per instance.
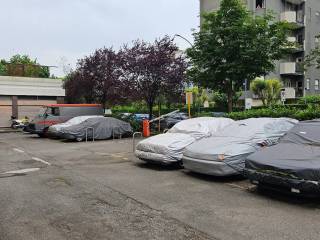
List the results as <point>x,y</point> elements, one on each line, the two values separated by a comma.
<point>293,17</point>
<point>289,16</point>
<point>298,46</point>
<point>289,92</point>
<point>291,68</point>
<point>298,2</point>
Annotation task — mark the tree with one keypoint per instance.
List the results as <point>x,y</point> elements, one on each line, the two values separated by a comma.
<point>152,69</point>
<point>97,78</point>
<point>233,45</point>
<point>267,90</point>
<point>3,68</point>
<point>23,65</point>
<point>313,59</point>
<point>259,88</point>
<point>273,91</point>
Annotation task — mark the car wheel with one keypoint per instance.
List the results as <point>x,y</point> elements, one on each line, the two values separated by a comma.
<point>79,139</point>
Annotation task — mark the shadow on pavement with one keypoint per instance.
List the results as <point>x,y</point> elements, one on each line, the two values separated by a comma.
<point>214,178</point>
<point>306,201</point>
<point>157,166</point>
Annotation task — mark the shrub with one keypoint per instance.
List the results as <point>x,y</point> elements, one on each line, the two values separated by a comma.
<point>312,99</point>
<point>300,114</point>
<point>267,90</point>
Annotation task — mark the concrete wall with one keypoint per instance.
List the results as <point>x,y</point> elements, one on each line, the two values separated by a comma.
<point>312,30</point>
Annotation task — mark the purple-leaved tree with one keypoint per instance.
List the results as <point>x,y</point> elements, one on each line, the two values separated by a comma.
<point>153,69</point>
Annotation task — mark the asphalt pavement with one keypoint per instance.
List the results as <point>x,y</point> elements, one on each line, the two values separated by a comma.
<point>51,189</point>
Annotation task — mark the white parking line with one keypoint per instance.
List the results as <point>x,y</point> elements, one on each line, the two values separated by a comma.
<point>40,160</point>
<point>18,150</point>
<point>20,171</point>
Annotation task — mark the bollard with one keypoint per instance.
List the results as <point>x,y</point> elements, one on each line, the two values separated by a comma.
<point>146,128</point>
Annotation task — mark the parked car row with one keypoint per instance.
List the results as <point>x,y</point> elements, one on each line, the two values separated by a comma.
<point>77,122</point>
<point>278,153</point>
<point>165,123</point>
<point>59,113</point>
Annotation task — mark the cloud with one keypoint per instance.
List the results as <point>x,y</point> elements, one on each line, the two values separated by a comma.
<point>49,30</point>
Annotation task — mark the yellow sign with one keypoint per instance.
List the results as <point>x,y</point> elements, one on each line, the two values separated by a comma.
<point>189,101</point>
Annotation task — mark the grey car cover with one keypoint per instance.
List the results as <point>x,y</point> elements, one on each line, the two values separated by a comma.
<point>167,148</point>
<point>294,162</point>
<point>225,152</point>
<point>104,128</point>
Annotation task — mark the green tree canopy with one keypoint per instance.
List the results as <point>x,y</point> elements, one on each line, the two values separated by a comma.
<point>23,65</point>
<point>233,45</point>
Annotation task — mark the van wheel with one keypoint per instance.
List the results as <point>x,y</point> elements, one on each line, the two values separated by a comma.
<point>44,133</point>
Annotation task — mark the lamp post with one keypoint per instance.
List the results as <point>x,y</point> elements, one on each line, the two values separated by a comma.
<point>188,97</point>
<point>178,35</point>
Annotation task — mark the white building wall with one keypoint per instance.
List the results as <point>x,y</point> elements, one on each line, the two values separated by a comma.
<point>24,86</point>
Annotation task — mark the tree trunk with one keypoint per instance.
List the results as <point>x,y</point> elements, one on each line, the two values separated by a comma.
<point>150,105</point>
<point>230,102</point>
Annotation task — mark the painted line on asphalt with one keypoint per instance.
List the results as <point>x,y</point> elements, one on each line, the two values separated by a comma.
<point>236,186</point>
<point>21,171</point>
<point>40,160</point>
<point>18,150</point>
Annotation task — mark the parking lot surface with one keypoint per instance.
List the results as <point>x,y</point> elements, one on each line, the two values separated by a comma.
<point>51,189</point>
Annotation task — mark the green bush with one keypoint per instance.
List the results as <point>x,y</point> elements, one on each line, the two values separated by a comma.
<point>296,113</point>
<point>312,99</point>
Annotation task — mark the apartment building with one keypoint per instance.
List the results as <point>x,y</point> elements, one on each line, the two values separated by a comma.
<point>305,17</point>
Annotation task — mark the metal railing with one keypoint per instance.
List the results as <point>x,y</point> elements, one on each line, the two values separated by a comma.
<point>134,140</point>
<point>114,135</point>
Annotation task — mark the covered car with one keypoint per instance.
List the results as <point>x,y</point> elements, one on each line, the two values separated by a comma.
<point>99,127</point>
<point>56,130</point>
<point>293,165</point>
<point>224,153</point>
<point>167,148</point>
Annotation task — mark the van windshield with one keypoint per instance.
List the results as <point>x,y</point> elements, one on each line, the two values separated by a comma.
<point>42,111</point>
<point>53,111</point>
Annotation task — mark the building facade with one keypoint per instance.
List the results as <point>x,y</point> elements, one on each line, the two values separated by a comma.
<point>305,17</point>
<point>24,96</point>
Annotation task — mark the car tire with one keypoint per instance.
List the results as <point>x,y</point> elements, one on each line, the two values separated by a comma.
<point>79,139</point>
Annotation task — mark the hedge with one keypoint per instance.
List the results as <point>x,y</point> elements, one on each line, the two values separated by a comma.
<point>309,113</point>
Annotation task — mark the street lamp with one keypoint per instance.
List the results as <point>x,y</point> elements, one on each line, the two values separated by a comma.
<point>178,35</point>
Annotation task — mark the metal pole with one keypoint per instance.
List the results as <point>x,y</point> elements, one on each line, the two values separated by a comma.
<point>133,140</point>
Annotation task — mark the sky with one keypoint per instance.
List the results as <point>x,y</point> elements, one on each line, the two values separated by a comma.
<point>58,32</point>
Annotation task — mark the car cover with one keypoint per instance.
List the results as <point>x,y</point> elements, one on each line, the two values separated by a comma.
<point>55,129</point>
<point>168,147</point>
<point>163,147</point>
<point>294,161</point>
<point>230,146</point>
<point>104,128</point>
<point>201,127</point>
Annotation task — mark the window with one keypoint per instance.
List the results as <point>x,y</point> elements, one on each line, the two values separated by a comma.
<point>316,84</point>
<point>260,3</point>
<point>53,111</point>
<point>308,84</point>
<point>287,83</point>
